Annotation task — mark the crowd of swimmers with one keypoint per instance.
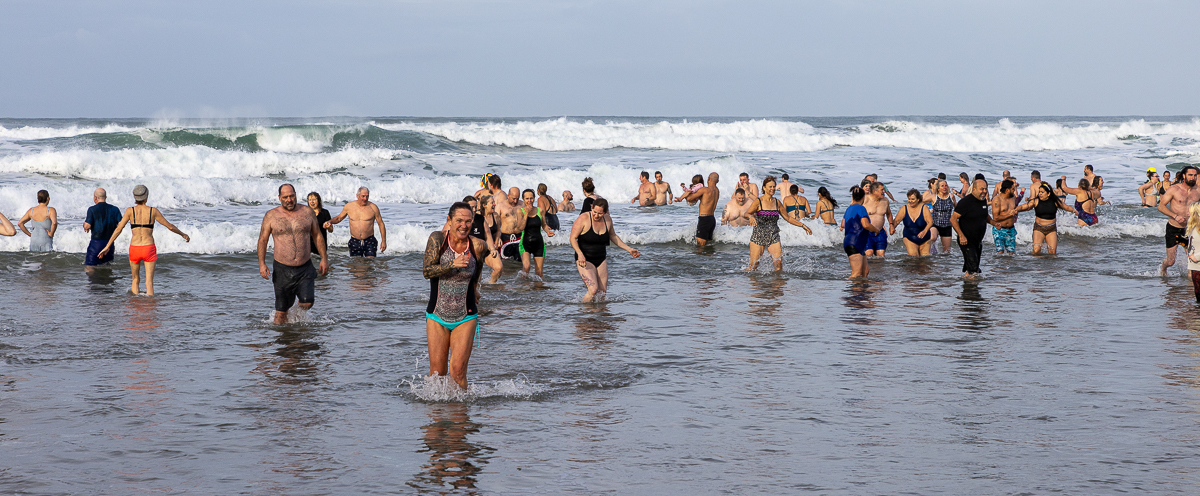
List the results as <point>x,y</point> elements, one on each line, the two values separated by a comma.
<point>493,226</point>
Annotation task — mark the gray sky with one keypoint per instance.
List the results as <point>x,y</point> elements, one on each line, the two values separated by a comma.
<point>548,58</point>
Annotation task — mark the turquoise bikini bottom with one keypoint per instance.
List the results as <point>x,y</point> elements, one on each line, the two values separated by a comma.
<point>450,325</point>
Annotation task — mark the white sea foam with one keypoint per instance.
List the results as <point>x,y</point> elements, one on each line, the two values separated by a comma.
<point>201,176</point>
<point>185,162</point>
<point>442,389</point>
<point>771,135</point>
<point>40,132</point>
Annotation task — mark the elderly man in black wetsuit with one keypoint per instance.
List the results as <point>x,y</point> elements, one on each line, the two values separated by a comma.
<point>970,220</point>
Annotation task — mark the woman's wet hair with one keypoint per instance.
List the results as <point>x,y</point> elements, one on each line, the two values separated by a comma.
<point>1096,182</point>
<point>822,192</point>
<point>795,190</point>
<point>1193,218</point>
<point>914,192</point>
<point>320,204</point>
<point>588,186</point>
<point>1085,185</point>
<point>768,179</point>
<point>43,196</point>
<point>541,189</point>
<point>600,203</point>
<point>857,193</point>
<point>458,206</point>
<point>1053,197</point>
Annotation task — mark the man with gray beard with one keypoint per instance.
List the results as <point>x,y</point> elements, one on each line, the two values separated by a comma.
<point>1174,204</point>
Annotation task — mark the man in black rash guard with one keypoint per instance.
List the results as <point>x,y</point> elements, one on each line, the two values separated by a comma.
<point>970,220</point>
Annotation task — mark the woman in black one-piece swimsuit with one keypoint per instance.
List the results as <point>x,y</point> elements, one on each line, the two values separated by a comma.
<point>591,249</point>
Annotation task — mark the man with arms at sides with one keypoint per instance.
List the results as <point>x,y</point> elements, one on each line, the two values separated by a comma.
<point>878,209</point>
<point>512,223</point>
<point>970,220</point>
<point>293,230</point>
<point>645,195</point>
<point>1174,204</point>
<point>1004,218</point>
<point>735,209</point>
<point>102,219</point>
<point>707,196</point>
<point>363,216</point>
<point>744,183</point>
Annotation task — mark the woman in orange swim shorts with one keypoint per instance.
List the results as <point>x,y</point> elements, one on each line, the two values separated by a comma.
<point>141,247</point>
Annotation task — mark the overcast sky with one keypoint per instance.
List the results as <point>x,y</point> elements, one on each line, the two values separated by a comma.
<point>634,58</point>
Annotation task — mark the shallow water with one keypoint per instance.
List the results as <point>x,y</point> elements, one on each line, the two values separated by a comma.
<point>1074,373</point>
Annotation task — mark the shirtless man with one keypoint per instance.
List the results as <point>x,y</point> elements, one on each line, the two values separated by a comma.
<point>568,203</point>
<point>645,195</point>
<point>708,197</point>
<point>293,229</point>
<point>735,209</point>
<point>1006,175</point>
<point>1035,182</point>
<point>512,223</point>
<point>662,190</point>
<point>785,185</point>
<point>1174,204</point>
<point>878,209</point>
<point>1004,218</point>
<point>363,216</point>
<point>744,183</point>
<point>514,196</point>
<point>875,179</point>
<point>1090,175</point>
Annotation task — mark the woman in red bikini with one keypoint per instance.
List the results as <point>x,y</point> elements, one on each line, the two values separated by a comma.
<point>141,247</point>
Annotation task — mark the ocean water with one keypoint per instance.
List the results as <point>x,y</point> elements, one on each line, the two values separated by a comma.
<point>1075,373</point>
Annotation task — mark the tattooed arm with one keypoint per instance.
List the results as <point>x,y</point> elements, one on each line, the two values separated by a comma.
<point>433,266</point>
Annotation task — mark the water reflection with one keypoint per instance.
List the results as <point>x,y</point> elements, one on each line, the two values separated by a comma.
<point>859,304</point>
<point>141,313</point>
<point>290,403</point>
<point>295,361</point>
<point>454,461</point>
<point>596,325</point>
<point>102,279</point>
<point>367,273</point>
<point>973,308</point>
<point>766,302</point>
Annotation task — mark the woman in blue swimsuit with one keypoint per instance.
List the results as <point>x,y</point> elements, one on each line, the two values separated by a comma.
<point>917,222</point>
<point>857,224</point>
<point>796,205</point>
<point>825,206</point>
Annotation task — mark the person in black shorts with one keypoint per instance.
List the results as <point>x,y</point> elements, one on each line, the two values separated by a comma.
<point>293,230</point>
